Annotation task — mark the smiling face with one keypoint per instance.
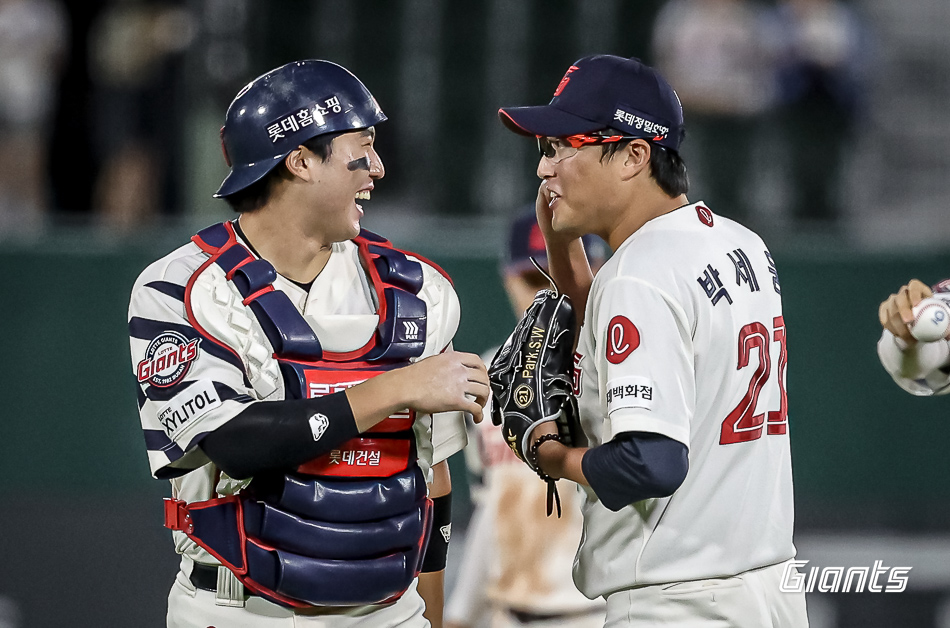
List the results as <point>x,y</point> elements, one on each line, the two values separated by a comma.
<point>347,176</point>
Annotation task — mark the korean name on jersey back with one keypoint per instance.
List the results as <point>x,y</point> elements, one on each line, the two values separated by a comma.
<point>167,359</point>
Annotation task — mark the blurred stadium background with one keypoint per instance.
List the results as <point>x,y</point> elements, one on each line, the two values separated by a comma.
<point>822,124</point>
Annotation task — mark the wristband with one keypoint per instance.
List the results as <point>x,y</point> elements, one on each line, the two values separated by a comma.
<point>438,548</point>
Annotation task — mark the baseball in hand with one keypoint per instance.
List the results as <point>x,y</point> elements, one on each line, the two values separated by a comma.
<point>931,320</point>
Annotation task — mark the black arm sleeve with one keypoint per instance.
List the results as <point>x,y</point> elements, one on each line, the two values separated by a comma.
<point>635,466</point>
<point>276,435</point>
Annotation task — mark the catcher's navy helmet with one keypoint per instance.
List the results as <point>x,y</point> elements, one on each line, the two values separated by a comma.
<point>278,111</point>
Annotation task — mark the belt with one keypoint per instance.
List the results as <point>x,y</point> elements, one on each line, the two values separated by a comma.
<point>527,617</point>
<point>206,577</point>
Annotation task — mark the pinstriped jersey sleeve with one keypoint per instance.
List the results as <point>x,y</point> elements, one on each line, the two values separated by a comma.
<point>447,432</point>
<point>187,385</point>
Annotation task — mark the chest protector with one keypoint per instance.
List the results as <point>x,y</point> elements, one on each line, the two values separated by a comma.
<point>349,528</point>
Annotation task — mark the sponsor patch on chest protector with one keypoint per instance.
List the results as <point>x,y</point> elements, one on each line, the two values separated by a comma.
<point>630,392</point>
<point>193,403</point>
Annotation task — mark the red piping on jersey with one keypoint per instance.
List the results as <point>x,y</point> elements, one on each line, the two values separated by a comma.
<point>230,275</point>
<point>211,250</point>
<point>264,290</point>
<point>214,253</point>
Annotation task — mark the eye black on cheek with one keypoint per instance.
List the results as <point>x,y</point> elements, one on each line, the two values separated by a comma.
<point>358,164</point>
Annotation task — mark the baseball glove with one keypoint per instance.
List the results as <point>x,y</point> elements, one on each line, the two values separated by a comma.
<point>531,379</point>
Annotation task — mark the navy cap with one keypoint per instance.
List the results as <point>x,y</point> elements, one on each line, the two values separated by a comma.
<point>605,91</point>
<point>526,241</point>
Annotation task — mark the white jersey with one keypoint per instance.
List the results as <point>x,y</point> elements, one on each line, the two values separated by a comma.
<point>340,307</point>
<point>683,336</point>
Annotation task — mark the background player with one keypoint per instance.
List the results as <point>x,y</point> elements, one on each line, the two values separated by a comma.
<point>917,367</point>
<point>681,359</point>
<point>516,566</point>
<point>250,343</point>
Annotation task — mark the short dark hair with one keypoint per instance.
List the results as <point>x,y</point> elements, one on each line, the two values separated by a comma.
<point>258,193</point>
<point>666,166</point>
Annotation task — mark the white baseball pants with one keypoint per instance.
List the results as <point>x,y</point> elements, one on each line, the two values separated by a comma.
<point>189,607</point>
<point>747,600</point>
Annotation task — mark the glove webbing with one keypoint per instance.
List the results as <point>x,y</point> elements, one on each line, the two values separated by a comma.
<point>553,497</point>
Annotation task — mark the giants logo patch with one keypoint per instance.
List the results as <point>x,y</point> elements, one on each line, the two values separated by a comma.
<point>167,359</point>
<point>623,338</point>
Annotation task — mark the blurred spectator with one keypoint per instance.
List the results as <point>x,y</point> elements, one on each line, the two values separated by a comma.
<point>713,53</point>
<point>33,38</point>
<point>133,47</point>
<point>821,49</point>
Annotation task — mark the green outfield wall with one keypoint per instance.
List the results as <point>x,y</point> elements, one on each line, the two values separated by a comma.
<point>78,500</point>
<point>70,412</point>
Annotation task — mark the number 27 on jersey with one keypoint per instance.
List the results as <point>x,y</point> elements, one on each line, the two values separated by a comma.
<point>743,424</point>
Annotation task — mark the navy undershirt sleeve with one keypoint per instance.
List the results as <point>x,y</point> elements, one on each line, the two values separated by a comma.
<point>635,466</point>
<point>277,435</point>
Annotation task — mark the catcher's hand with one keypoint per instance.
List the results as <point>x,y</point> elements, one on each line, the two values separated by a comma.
<point>531,376</point>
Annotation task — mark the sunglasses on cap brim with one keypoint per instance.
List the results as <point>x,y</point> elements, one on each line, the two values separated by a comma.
<point>546,147</point>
